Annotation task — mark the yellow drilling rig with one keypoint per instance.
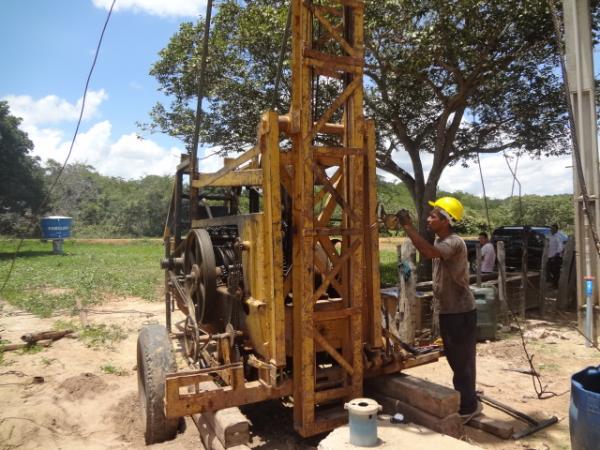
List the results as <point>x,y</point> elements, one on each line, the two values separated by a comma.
<point>283,299</point>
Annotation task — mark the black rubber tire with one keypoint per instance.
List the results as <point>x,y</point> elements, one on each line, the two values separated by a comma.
<point>154,360</point>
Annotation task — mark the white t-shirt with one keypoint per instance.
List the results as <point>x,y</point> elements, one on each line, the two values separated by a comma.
<point>488,257</point>
<point>555,245</point>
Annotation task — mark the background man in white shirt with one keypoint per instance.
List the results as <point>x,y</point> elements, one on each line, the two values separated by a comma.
<point>488,254</point>
<point>555,250</point>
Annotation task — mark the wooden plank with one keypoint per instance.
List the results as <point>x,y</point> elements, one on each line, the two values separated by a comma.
<point>179,405</point>
<point>333,352</point>
<point>500,429</point>
<point>451,425</point>
<point>356,4</point>
<point>502,295</point>
<point>432,398</point>
<point>542,293</point>
<point>250,177</point>
<point>373,278</point>
<point>568,274</point>
<point>335,270</point>
<point>209,437</point>
<point>209,179</point>
<point>273,237</point>
<point>229,425</point>
<point>351,51</point>
<point>303,212</point>
<point>337,103</point>
<point>331,394</point>
<point>408,305</point>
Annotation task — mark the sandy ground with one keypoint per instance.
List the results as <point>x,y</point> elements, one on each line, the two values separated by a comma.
<point>80,406</point>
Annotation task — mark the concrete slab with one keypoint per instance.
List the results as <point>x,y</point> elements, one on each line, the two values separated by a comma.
<point>394,436</point>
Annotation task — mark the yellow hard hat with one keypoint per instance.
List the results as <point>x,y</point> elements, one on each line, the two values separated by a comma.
<point>451,205</point>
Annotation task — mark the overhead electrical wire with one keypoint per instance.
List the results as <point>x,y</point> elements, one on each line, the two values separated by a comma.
<point>42,204</point>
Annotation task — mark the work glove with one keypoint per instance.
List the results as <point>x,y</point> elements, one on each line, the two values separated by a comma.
<point>404,217</point>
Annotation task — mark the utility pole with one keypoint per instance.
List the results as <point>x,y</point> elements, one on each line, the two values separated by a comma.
<point>580,78</point>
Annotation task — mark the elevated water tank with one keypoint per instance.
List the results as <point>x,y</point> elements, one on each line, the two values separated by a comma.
<point>56,227</point>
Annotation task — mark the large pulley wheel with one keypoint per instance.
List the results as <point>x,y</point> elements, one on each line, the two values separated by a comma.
<point>201,274</point>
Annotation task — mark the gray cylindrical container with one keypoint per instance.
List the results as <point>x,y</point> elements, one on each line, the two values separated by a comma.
<point>363,421</point>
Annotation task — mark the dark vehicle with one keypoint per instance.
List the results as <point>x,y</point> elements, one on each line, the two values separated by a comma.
<point>513,236</point>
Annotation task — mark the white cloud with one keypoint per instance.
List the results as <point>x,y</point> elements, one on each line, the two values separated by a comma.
<point>546,176</point>
<point>162,8</point>
<point>52,109</point>
<point>209,162</point>
<point>128,157</point>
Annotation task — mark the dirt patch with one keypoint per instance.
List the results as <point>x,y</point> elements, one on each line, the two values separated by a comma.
<point>127,419</point>
<point>80,406</point>
<point>57,291</point>
<point>86,385</point>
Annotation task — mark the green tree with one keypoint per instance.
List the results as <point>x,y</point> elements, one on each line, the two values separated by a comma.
<point>444,78</point>
<point>21,177</point>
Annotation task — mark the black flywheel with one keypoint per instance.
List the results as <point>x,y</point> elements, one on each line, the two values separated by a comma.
<point>201,274</point>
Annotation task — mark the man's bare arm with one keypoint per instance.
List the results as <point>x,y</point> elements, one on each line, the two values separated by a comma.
<point>425,248</point>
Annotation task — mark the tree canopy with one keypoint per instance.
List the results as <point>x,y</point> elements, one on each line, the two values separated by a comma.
<point>21,184</point>
<point>449,79</point>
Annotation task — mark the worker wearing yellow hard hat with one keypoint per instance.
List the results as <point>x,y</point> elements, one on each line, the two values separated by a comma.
<point>458,316</point>
<point>449,207</point>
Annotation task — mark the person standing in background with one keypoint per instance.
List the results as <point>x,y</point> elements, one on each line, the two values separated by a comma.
<point>488,254</point>
<point>555,250</point>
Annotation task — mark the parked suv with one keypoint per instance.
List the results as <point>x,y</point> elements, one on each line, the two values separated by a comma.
<point>512,236</point>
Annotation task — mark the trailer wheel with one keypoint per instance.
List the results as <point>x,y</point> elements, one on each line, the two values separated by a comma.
<point>154,360</point>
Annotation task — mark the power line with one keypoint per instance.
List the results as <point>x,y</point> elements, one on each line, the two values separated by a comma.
<point>42,204</point>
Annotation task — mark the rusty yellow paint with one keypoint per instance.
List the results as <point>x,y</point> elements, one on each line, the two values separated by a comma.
<point>229,165</point>
<point>273,240</point>
<point>250,177</point>
<point>328,301</point>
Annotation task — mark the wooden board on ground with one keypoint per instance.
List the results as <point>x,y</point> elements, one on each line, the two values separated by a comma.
<point>432,398</point>
<point>498,428</point>
<point>450,425</point>
<point>228,425</point>
<point>209,437</point>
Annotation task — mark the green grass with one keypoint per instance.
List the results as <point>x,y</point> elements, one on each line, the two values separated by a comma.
<point>42,282</point>
<point>95,335</point>
<point>388,267</point>
<point>111,369</point>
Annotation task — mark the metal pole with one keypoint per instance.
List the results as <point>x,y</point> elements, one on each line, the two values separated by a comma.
<point>579,76</point>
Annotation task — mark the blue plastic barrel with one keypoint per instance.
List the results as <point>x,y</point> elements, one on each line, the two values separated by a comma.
<point>56,227</point>
<point>584,412</point>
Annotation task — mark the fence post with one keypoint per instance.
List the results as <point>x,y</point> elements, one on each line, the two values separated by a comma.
<point>409,313</point>
<point>524,270</point>
<point>542,299</point>
<point>501,256</point>
<point>478,266</point>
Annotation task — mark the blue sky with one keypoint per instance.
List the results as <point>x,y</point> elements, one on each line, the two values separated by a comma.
<point>48,46</point>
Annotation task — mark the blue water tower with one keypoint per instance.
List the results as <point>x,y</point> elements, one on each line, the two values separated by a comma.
<point>56,229</point>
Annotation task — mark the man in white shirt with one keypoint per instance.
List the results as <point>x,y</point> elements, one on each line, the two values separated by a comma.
<point>555,250</point>
<point>488,254</point>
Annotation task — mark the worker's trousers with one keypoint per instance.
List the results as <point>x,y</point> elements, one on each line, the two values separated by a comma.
<point>459,332</point>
